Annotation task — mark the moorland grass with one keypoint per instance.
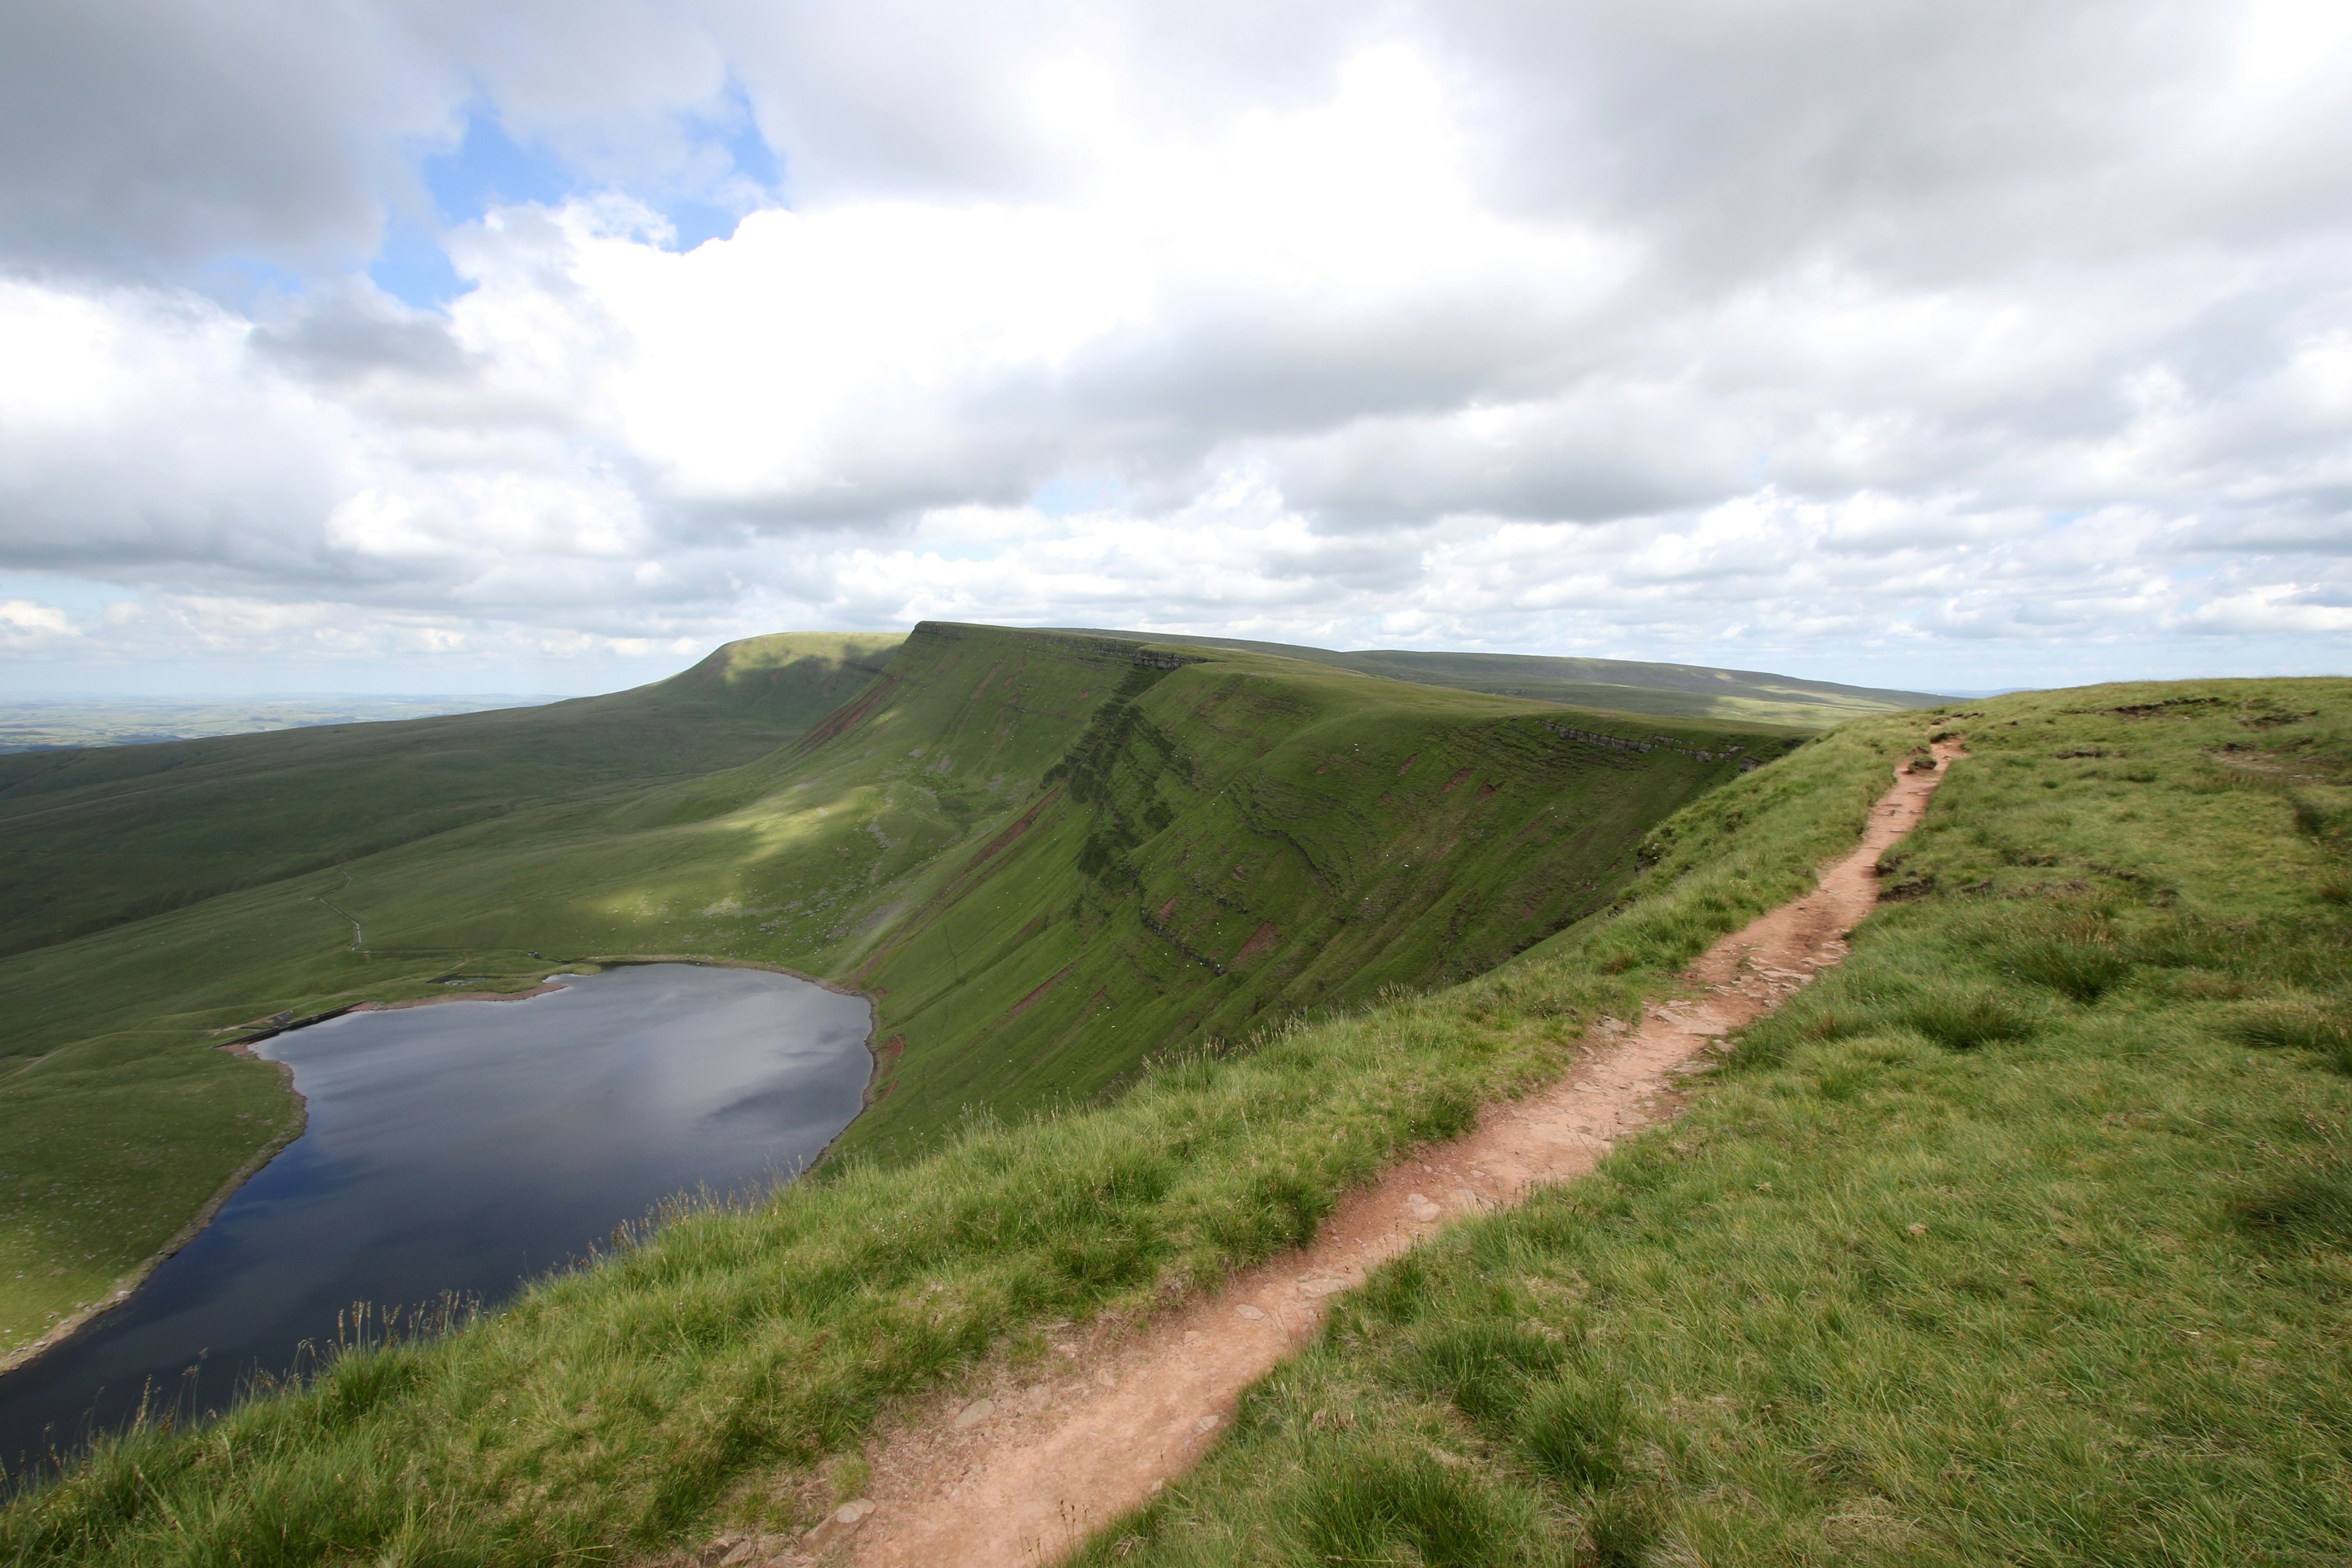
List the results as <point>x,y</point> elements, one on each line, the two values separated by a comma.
<point>2020,1239</point>
<point>626,1409</point>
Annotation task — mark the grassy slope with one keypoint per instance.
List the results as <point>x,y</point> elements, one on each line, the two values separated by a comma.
<point>2022,1238</point>
<point>2096,1058</point>
<point>1234,841</point>
<point>629,1407</point>
<point>863,850</point>
<point>1049,861</point>
<point>1675,691</point>
<point>90,838</point>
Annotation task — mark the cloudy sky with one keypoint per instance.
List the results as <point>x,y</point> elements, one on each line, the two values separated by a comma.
<point>537,345</point>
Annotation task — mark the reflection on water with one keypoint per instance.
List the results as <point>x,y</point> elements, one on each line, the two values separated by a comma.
<point>464,1149</point>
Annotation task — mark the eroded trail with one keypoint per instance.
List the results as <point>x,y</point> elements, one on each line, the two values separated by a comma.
<point>1022,1475</point>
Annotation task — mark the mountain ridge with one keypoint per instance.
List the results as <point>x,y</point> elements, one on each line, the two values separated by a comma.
<point>1632,685</point>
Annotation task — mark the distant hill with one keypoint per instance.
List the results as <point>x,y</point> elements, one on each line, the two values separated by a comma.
<point>1675,691</point>
<point>94,836</point>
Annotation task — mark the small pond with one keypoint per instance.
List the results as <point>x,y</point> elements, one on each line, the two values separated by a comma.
<point>464,1148</point>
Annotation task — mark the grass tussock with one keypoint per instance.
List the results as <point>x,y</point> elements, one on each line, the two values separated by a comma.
<point>2298,1025</point>
<point>684,1383</point>
<point>2023,1238</point>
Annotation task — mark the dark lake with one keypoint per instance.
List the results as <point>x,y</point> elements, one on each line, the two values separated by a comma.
<point>464,1148</point>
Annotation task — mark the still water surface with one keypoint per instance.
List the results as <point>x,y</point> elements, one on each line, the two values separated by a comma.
<point>464,1148</point>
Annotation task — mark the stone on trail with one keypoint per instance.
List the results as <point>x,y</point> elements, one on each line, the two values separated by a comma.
<point>1419,1208</point>
<point>841,1522</point>
<point>1249,1314</point>
<point>973,1415</point>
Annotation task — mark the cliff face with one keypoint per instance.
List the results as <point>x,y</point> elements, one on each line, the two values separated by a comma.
<point>1222,841</point>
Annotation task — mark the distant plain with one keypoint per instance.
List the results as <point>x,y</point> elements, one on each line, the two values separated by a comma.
<point>50,723</point>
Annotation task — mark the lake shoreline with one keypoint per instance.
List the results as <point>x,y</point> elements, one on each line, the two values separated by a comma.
<point>126,1286</point>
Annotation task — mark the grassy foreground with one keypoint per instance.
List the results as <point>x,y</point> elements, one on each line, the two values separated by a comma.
<point>623,1411</point>
<point>2020,1238</point>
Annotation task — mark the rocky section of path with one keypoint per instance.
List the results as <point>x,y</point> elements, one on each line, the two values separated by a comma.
<point>1018,1478</point>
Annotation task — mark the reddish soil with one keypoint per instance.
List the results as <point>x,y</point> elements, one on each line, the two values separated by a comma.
<point>1020,1476</point>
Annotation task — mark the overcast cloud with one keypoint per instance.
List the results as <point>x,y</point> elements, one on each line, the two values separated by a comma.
<point>510,344</point>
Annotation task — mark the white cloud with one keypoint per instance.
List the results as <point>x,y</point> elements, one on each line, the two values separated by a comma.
<point>1799,334</point>
<point>26,626</point>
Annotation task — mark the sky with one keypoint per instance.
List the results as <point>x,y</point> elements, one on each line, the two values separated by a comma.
<point>541,345</point>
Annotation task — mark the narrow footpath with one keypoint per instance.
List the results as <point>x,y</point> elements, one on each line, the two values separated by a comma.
<point>1021,1477</point>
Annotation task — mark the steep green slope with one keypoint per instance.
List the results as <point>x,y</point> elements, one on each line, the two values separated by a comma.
<point>1236,840</point>
<point>90,838</point>
<point>1627,685</point>
<point>1048,856</point>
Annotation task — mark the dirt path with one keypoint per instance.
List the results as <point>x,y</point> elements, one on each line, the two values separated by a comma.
<point>357,937</point>
<point>1021,1477</point>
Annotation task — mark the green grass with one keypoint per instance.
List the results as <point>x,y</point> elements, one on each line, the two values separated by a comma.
<point>2020,1238</point>
<point>1047,861</point>
<point>693,1378</point>
<point>1239,841</point>
<point>96,836</point>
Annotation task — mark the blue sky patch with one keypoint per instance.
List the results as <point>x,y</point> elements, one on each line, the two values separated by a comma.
<point>413,269</point>
<point>488,169</point>
<point>1071,495</point>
